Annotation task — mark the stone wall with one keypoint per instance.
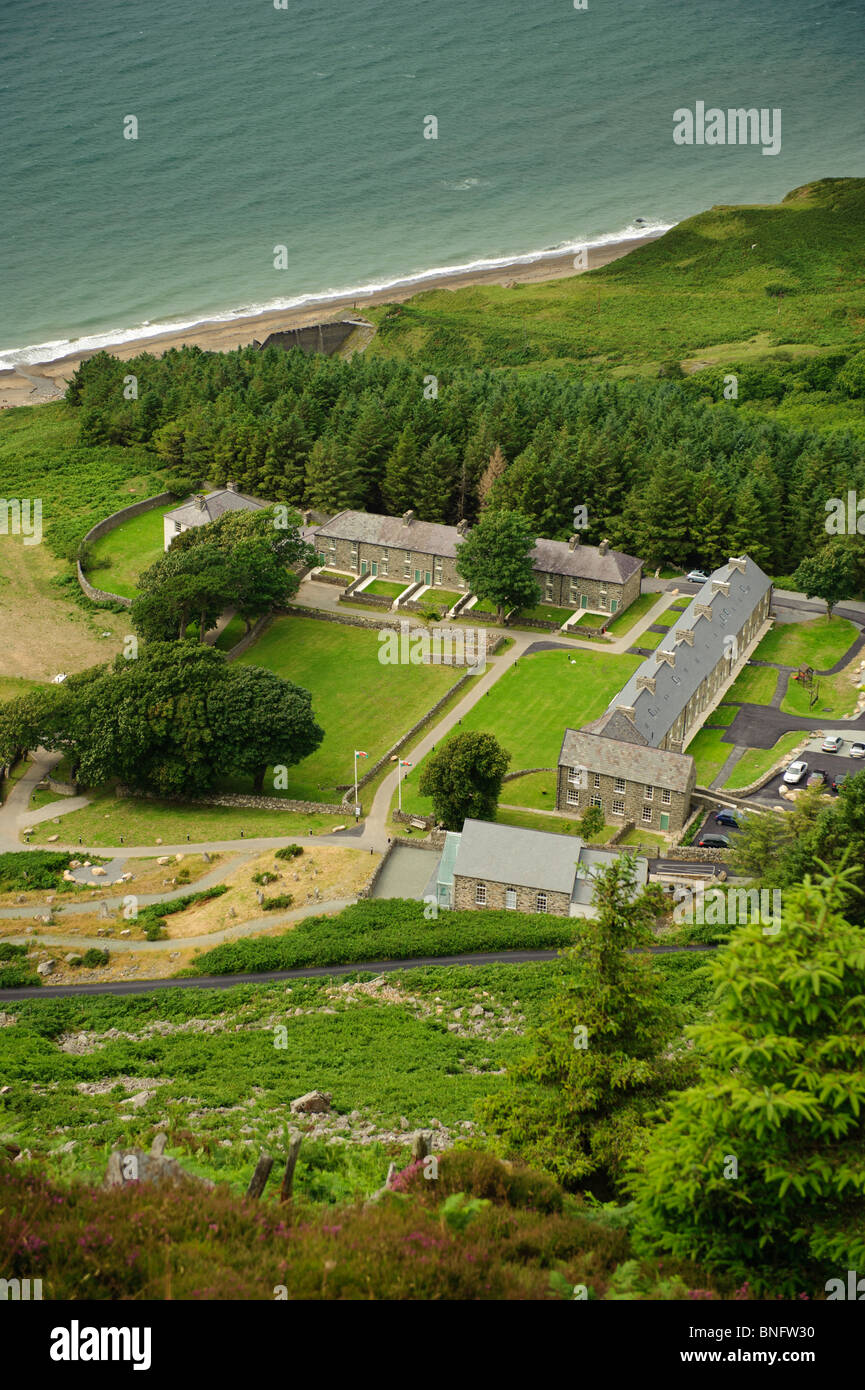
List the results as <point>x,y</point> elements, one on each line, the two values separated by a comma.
<point>61,788</point>
<point>250,637</point>
<point>102,528</point>
<point>464,896</point>
<point>236,799</point>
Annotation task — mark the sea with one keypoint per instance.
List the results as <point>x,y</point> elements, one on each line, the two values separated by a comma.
<point>166,163</point>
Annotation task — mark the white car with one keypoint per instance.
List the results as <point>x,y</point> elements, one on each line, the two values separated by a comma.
<point>857,750</point>
<point>832,742</point>
<point>696,577</point>
<point>795,772</point>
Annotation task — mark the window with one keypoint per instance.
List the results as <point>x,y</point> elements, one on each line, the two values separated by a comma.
<point>384,561</point>
<point>406,573</point>
<point>596,801</point>
<point>438,573</point>
<point>647,814</point>
<point>575,776</point>
<point>573,796</point>
<point>176,527</point>
<point>541,902</point>
<point>549,587</point>
<point>354,557</point>
<point>575,590</point>
<point>619,784</point>
<point>321,559</point>
<point>481,894</point>
<point>511,899</point>
<point>649,792</point>
<point>597,782</point>
<point>618,806</point>
<point>666,796</point>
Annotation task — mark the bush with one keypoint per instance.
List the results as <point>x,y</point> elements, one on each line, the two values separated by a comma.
<point>155,929</point>
<point>289,851</point>
<point>281,900</point>
<point>18,976</point>
<point>264,877</point>
<point>391,929</point>
<point>32,869</point>
<point>9,951</point>
<point>93,958</point>
<point>481,1175</point>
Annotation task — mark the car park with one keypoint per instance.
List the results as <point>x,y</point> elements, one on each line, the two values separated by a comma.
<point>817,778</point>
<point>832,743</point>
<point>857,750</point>
<point>713,842</point>
<point>795,772</point>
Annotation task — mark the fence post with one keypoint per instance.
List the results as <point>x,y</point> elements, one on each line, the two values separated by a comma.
<point>258,1181</point>
<point>291,1162</point>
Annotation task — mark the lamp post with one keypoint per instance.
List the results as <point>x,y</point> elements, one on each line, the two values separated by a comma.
<point>357,754</point>
<point>400,765</point>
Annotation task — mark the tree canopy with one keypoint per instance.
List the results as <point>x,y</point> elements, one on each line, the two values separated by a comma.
<point>464,778</point>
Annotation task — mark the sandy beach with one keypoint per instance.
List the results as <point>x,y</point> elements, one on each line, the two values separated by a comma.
<point>45,381</point>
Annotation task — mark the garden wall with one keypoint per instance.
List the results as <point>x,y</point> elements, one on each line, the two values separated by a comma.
<point>102,528</point>
<point>257,803</point>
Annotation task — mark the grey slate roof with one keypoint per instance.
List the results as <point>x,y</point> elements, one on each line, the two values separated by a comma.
<point>654,767</point>
<point>525,858</point>
<point>430,538</point>
<point>584,562</point>
<point>591,861</point>
<point>655,713</point>
<point>216,504</point>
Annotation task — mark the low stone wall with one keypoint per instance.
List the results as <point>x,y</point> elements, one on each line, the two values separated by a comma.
<point>526,771</point>
<point>236,799</point>
<point>61,788</point>
<point>342,581</point>
<point>406,818</point>
<point>250,637</point>
<point>369,888</point>
<point>349,619</point>
<point>624,829</point>
<point>371,600</point>
<point>102,528</point>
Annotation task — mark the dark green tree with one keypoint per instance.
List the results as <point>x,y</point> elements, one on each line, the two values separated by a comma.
<point>495,560</point>
<point>829,574</point>
<point>464,779</point>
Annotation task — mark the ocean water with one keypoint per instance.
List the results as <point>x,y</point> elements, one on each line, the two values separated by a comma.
<point>303,127</point>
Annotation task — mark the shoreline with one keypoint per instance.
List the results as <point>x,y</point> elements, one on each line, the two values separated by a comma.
<point>39,382</point>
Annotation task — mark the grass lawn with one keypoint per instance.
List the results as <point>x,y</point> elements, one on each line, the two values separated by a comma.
<point>723,715</point>
<point>681,604</point>
<point>709,753</point>
<point>666,619</point>
<point>632,614</point>
<point>443,599</point>
<point>231,634</point>
<point>818,643</point>
<point>384,588</point>
<point>119,558</point>
<point>642,837</point>
<point>836,696</point>
<point>529,707</point>
<point>754,685</point>
<point>650,640</point>
<point>756,761</point>
<point>13,686</point>
<point>358,701</point>
<point>546,613</point>
<point>142,822</point>
<point>536,789</point>
<point>333,574</point>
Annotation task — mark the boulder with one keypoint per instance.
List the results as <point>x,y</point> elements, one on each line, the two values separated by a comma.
<point>52,839</point>
<point>72,959</point>
<point>135,1165</point>
<point>45,967</point>
<point>164,859</point>
<point>97,871</point>
<point>313,1103</point>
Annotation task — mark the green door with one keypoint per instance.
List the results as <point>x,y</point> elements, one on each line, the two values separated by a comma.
<point>417,576</point>
<point>584,600</point>
<point>363,566</point>
<point>614,605</point>
<point>375,567</point>
<point>427,578</point>
<point>665,820</point>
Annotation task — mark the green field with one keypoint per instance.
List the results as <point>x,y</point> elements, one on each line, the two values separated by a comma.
<point>723,715</point>
<point>632,615</point>
<point>384,588</point>
<point>116,560</point>
<point>756,761</point>
<point>359,702</point>
<point>530,706</point>
<point>650,640</point>
<point>546,613</point>
<point>818,643</point>
<point>836,695</point>
<point>709,753</point>
<point>141,822</point>
<point>536,790</point>
<point>754,685</point>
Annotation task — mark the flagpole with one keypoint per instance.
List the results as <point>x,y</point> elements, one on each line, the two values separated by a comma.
<point>399,782</point>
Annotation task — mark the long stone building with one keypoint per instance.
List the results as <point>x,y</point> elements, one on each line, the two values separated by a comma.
<point>616,761</point>
<point>571,575</point>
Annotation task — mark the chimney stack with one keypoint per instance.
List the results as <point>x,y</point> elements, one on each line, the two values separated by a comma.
<point>462,527</point>
<point>306,518</point>
<point>408,518</point>
<point>198,501</point>
<point>232,487</point>
<point>573,542</point>
<point>603,547</point>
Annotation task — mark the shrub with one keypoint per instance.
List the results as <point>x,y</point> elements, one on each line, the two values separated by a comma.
<point>480,1174</point>
<point>18,975</point>
<point>264,877</point>
<point>155,929</point>
<point>289,851</point>
<point>281,900</point>
<point>94,957</point>
<point>32,869</point>
<point>9,951</point>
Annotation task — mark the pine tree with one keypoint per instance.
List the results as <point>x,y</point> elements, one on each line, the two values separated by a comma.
<point>331,480</point>
<point>494,470</point>
<point>436,480</point>
<point>400,474</point>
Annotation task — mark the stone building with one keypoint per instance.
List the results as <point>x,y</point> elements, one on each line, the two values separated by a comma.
<point>668,697</point>
<point>627,781</point>
<point>404,549</point>
<point>202,508</point>
<point>487,865</point>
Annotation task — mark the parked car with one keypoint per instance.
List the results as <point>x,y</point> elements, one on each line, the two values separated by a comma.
<point>832,742</point>
<point>838,782</point>
<point>725,817</point>
<point>714,842</point>
<point>696,577</point>
<point>857,750</point>
<point>817,778</point>
<point>794,774</point>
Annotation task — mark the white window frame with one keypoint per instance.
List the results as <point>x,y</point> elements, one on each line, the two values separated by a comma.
<point>666,797</point>
<point>647,814</point>
<point>649,793</point>
<point>480,895</point>
<point>596,801</point>
<point>597,781</point>
<point>618,806</point>
<point>511,907</point>
<point>620,785</point>
<point>573,796</point>
<point>541,902</point>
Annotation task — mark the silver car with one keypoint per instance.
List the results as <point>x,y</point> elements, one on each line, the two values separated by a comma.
<point>795,772</point>
<point>832,742</point>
